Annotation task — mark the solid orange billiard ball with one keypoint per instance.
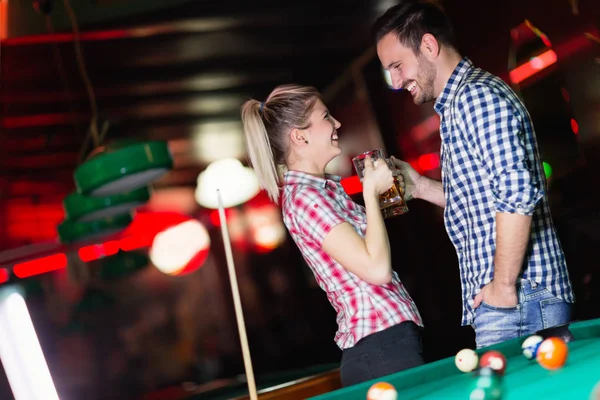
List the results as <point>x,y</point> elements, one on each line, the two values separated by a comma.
<point>552,353</point>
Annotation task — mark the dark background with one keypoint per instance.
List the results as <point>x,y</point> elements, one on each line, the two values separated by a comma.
<point>169,69</point>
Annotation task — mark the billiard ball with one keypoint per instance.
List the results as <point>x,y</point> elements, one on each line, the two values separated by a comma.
<point>382,391</point>
<point>495,360</point>
<point>487,386</point>
<point>466,360</point>
<point>552,353</point>
<point>531,345</point>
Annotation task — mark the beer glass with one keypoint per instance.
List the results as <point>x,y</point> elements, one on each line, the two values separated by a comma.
<point>392,201</point>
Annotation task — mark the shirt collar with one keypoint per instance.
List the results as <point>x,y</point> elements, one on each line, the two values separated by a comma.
<point>302,178</point>
<point>452,85</point>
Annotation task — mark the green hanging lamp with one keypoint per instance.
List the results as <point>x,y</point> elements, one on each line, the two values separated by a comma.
<point>79,207</point>
<point>122,166</point>
<point>121,265</point>
<point>70,231</point>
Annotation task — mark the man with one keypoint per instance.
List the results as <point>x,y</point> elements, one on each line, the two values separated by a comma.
<point>513,272</point>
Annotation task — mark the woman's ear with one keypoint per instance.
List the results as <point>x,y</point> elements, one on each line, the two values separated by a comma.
<point>298,137</point>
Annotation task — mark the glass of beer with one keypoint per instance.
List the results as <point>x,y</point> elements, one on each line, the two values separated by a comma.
<point>392,201</point>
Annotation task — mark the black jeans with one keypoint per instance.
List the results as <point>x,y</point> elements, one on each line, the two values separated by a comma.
<point>392,350</point>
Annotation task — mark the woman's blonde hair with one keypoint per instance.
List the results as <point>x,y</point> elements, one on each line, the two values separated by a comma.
<point>267,127</point>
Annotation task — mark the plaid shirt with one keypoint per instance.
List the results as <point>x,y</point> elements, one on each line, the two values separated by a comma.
<point>311,207</point>
<point>490,163</point>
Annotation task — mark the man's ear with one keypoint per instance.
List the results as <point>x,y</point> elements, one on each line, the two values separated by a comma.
<point>430,47</point>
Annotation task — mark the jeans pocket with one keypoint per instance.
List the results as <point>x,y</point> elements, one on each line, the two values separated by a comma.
<point>555,311</point>
<point>356,369</point>
<point>495,308</point>
<point>533,291</point>
<point>495,324</point>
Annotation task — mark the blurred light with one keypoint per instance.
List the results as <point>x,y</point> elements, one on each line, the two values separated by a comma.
<point>565,94</point>
<point>216,141</point>
<point>425,128</point>
<point>574,126</point>
<point>547,169</point>
<point>387,77</point>
<point>177,199</point>
<point>237,184</point>
<point>351,185</point>
<point>267,229</point>
<point>536,63</point>
<point>20,350</point>
<point>533,66</point>
<point>3,19</point>
<point>174,249</point>
<point>140,233</point>
<point>538,33</point>
<point>4,275</point>
<point>40,265</point>
<point>429,161</point>
<point>97,251</point>
<point>546,40</point>
<point>130,243</point>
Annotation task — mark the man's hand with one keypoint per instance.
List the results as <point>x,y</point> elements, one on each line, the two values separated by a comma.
<point>407,178</point>
<point>497,295</point>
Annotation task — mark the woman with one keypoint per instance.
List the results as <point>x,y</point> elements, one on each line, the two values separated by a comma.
<point>291,137</point>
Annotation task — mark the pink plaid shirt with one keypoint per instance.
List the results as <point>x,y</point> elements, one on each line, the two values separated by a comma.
<point>311,207</point>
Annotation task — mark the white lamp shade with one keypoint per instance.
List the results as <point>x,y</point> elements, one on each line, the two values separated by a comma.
<point>236,183</point>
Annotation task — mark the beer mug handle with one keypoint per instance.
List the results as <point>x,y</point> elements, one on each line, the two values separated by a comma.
<point>391,166</point>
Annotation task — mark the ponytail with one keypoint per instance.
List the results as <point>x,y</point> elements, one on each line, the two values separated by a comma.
<point>267,127</point>
<point>259,149</point>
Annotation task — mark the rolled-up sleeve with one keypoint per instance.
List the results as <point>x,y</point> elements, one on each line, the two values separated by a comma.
<point>316,214</point>
<point>496,135</point>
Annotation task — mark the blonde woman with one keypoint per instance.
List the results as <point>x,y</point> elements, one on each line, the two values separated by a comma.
<point>291,137</point>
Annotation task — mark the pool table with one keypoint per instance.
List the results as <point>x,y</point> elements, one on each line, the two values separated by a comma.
<point>524,379</point>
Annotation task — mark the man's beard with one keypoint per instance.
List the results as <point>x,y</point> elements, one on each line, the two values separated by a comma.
<point>427,76</point>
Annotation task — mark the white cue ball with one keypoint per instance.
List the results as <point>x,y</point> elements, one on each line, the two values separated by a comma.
<point>466,360</point>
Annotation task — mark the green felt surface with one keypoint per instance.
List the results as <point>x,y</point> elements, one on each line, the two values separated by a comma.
<point>524,379</point>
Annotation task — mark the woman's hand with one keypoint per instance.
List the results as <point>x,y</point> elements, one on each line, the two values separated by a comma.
<point>378,177</point>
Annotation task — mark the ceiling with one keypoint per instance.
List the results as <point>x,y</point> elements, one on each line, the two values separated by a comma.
<point>176,71</point>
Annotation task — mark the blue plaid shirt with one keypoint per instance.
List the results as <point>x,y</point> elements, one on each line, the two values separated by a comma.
<point>490,163</point>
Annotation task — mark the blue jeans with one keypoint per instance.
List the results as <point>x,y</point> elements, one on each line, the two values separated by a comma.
<point>538,309</point>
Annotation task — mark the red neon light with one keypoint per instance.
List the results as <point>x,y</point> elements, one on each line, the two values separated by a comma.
<point>351,185</point>
<point>40,265</point>
<point>96,251</point>
<point>429,161</point>
<point>4,275</point>
<point>3,20</point>
<point>533,66</point>
<point>130,243</point>
<point>68,37</point>
<point>574,126</point>
<point>41,120</point>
